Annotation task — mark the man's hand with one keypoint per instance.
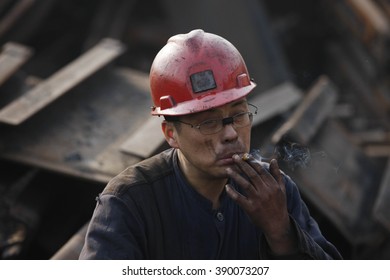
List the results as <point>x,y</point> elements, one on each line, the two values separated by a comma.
<point>264,200</point>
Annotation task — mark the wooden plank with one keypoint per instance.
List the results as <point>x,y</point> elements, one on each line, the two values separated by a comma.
<point>11,58</point>
<point>371,136</point>
<point>381,208</point>
<point>368,22</point>
<point>145,140</point>
<point>372,15</point>
<point>18,10</point>
<point>377,150</point>
<point>60,82</point>
<point>310,114</point>
<point>275,101</point>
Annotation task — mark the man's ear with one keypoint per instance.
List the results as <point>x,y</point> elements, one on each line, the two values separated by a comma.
<point>169,133</point>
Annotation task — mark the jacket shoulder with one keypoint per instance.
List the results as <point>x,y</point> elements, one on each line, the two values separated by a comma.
<point>146,172</point>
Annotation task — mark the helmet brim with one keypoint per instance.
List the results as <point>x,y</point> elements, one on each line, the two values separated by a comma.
<point>206,102</point>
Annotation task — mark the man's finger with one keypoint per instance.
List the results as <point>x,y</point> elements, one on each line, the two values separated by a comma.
<point>242,182</point>
<point>275,172</point>
<point>259,171</point>
<point>236,196</point>
<point>247,168</point>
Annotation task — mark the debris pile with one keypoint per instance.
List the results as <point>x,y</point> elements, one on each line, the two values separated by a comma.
<point>74,102</point>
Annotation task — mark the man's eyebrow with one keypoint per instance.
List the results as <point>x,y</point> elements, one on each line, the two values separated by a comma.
<point>234,104</point>
<point>240,102</point>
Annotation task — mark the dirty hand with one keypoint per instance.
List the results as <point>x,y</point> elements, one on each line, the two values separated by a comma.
<point>264,201</point>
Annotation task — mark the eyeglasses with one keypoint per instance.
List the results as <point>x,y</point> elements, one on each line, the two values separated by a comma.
<point>213,126</point>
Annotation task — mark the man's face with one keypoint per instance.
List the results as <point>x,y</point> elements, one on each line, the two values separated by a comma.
<point>210,155</point>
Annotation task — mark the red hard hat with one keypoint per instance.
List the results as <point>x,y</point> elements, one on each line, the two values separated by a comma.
<point>195,72</point>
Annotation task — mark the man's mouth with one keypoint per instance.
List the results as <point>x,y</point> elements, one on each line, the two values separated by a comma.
<point>227,159</point>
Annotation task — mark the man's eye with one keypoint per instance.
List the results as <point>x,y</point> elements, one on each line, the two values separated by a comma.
<point>240,117</point>
<point>209,123</point>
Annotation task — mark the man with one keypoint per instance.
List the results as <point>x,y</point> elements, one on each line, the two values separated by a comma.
<point>206,198</point>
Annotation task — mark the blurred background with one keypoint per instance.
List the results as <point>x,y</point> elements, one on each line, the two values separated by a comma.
<point>74,108</point>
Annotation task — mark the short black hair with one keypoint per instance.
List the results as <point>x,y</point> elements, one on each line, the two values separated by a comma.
<point>171,118</point>
<point>175,120</point>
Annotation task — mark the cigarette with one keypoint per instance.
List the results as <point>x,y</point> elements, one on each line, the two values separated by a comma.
<point>245,157</point>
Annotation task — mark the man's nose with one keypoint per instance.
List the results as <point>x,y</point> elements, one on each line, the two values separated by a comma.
<point>229,132</point>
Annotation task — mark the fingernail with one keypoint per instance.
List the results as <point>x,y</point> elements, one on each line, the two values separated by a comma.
<point>236,156</point>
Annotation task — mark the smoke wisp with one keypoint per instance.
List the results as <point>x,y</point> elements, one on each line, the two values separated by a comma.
<point>293,154</point>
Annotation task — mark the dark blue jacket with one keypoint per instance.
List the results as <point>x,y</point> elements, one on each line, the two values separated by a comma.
<point>149,211</point>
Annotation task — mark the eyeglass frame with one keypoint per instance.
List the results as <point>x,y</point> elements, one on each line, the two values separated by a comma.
<point>225,121</point>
